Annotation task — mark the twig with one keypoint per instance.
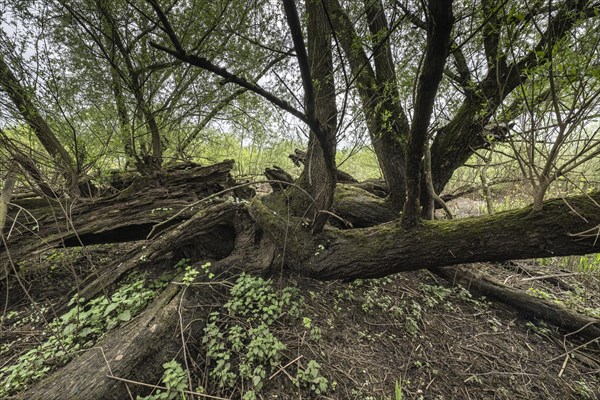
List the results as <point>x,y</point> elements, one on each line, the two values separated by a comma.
<point>155,227</point>
<point>578,347</point>
<point>542,277</point>
<point>207,396</point>
<point>281,369</point>
<point>564,365</point>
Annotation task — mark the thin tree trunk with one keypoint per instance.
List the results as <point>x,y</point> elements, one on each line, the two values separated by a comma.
<point>316,65</point>
<point>26,107</point>
<point>438,40</point>
<point>5,195</point>
<point>386,121</point>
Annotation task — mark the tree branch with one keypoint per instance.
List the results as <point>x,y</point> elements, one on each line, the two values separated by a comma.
<point>440,23</point>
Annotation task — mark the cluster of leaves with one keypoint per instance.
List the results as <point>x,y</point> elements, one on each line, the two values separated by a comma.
<point>374,296</point>
<point>79,328</point>
<point>240,340</point>
<point>175,380</point>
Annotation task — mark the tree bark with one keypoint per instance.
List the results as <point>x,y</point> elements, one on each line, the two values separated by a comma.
<point>439,26</point>
<point>316,65</point>
<point>386,121</point>
<point>526,305</point>
<point>22,100</point>
<point>389,248</point>
<point>126,216</point>
<point>5,195</point>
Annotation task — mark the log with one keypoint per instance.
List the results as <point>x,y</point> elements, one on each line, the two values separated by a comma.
<point>360,208</point>
<point>209,234</point>
<point>528,306</point>
<point>128,215</point>
<point>299,158</point>
<point>386,249</point>
<point>137,350</point>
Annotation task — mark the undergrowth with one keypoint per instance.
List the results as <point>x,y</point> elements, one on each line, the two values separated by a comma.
<point>78,329</point>
<point>242,344</point>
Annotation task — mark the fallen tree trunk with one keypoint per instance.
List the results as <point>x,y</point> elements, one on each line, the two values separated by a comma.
<point>386,249</point>
<point>126,216</point>
<point>209,234</point>
<point>137,350</point>
<point>528,306</point>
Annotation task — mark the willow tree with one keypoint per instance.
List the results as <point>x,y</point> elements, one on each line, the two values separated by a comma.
<point>507,43</point>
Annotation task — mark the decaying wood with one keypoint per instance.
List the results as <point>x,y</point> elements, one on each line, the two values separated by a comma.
<point>5,195</point>
<point>528,306</point>
<point>299,158</point>
<point>360,208</point>
<point>124,216</point>
<point>138,349</point>
<point>260,239</point>
<point>209,233</point>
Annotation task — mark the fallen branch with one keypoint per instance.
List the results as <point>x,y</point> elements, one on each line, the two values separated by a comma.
<point>526,305</point>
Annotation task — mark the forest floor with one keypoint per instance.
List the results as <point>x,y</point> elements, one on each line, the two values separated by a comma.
<point>410,336</point>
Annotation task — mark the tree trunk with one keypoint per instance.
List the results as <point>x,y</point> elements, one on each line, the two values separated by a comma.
<point>26,107</point>
<point>137,350</point>
<point>127,216</point>
<point>439,25</point>
<point>386,121</point>
<point>528,306</point>
<point>5,194</point>
<point>455,143</point>
<point>386,249</point>
<point>316,66</point>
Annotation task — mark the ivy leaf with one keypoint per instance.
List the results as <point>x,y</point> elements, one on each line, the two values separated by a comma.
<point>124,316</point>
<point>109,308</point>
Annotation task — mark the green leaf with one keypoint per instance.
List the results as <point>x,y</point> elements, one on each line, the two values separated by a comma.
<point>124,316</point>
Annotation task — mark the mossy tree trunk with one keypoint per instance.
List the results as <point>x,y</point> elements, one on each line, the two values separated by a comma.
<point>389,248</point>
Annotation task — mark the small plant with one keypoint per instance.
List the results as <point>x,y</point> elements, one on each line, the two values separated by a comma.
<point>314,331</point>
<point>541,329</point>
<point>398,394</point>
<point>311,377</point>
<point>435,295</point>
<point>206,268</point>
<point>190,275</point>
<point>240,340</point>
<point>583,389</point>
<point>175,380</point>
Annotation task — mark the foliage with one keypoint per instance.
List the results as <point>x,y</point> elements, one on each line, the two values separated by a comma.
<point>79,328</point>
<point>374,298</point>
<point>175,380</point>
<point>312,378</point>
<point>242,343</point>
<point>573,299</point>
<point>189,276</point>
